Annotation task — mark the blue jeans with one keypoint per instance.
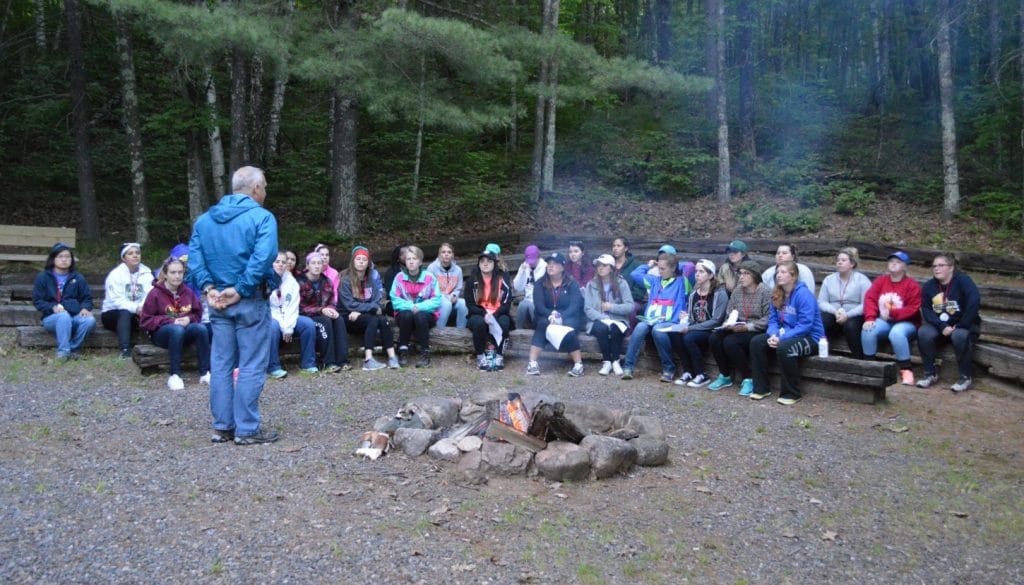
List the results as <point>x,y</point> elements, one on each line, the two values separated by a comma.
<point>524,314</point>
<point>174,338</point>
<point>305,331</point>
<point>70,331</point>
<point>461,312</point>
<point>899,335</point>
<point>661,342</point>
<point>241,334</point>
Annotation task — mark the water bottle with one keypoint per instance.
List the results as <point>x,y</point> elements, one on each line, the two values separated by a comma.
<point>490,357</point>
<point>823,347</point>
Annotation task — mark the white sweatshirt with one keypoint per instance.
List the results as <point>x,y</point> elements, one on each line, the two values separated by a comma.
<point>126,291</point>
<point>284,304</point>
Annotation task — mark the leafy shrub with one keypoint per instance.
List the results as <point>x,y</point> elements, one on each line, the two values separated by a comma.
<point>752,217</point>
<point>656,165</point>
<point>811,196</point>
<point>1000,207</point>
<point>854,200</point>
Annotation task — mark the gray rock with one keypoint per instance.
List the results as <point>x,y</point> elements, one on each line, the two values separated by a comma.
<point>593,418</point>
<point>563,461</point>
<point>390,424</point>
<point>445,449</point>
<point>442,412</point>
<point>469,469</point>
<point>470,443</point>
<point>650,451</point>
<point>504,458</point>
<point>608,455</point>
<point>413,442</point>
<point>646,425</point>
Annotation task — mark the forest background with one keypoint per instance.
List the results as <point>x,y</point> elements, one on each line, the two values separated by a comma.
<point>387,120</point>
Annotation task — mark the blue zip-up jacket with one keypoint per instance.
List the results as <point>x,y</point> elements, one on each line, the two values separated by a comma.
<point>234,244</point>
<point>75,297</point>
<point>665,299</point>
<point>569,303</point>
<point>347,301</point>
<point>799,316</point>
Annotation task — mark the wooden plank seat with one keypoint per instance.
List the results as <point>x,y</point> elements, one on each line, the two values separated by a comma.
<point>36,336</point>
<point>24,243</point>
<point>22,292</point>
<point>997,360</point>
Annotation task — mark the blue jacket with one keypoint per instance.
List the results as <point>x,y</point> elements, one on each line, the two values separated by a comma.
<point>666,300</point>
<point>569,303</point>
<point>75,297</point>
<point>798,317</point>
<point>234,244</point>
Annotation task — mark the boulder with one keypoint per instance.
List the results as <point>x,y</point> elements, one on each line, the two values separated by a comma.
<point>413,442</point>
<point>563,461</point>
<point>593,418</point>
<point>504,458</point>
<point>650,451</point>
<point>646,425</point>
<point>469,469</point>
<point>608,455</point>
<point>470,443</point>
<point>442,412</point>
<point>445,449</point>
<point>390,424</point>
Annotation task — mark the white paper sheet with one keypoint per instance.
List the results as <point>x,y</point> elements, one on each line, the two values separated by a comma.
<point>611,323</point>
<point>495,329</point>
<point>556,334</point>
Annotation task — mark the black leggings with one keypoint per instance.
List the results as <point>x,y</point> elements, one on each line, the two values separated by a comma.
<point>123,322</point>
<point>482,335</point>
<point>732,352</point>
<point>418,323</point>
<point>609,339</point>
<point>331,340</point>
<point>370,326</point>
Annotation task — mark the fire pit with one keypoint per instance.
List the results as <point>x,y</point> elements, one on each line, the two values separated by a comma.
<point>499,433</point>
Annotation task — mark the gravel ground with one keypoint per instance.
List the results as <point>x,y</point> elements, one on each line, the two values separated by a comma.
<point>108,477</point>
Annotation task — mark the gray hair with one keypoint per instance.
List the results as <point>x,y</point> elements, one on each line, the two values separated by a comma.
<point>245,180</point>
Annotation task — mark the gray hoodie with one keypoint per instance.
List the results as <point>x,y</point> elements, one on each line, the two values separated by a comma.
<point>592,303</point>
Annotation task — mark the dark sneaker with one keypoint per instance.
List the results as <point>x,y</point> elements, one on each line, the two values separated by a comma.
<point>962,385</point>
<point>332,369</point>
<point>760,394</point>
<point>927,381</point>
<point>499,362</point>
<point>220,436</point>
<point>403,356</point>
<point>259,438</point>
<point>126,353</point>
<point>788,400</point>
<point>346,367</point>
<point>424,361</point>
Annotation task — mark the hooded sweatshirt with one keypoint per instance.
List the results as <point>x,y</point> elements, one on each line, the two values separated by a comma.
<point>477,292</point>
<point>798,317</point>
<point>565,299</point>
<point>666,299</point>
<point>449,279</point>
<point>234,244</point>
<point>526,278</point>
<point>959,300</point>
<point>125,291</point>
<point>369,300</point>
<point>707,312</point>
<point>284,304</point>
<point>621,309</point>
<point>162,307</point>
<point>903,299</point>
<point>582,272</point>
<point>74,296</point>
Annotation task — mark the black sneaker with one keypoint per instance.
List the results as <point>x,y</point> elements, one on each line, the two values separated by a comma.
<point>424,361</point>
<point>260,437</point>
<point>403,356</point>
<point>220,436</point>
<point>126,353</point>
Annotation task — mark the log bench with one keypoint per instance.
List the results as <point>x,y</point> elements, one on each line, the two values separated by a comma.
<point>36,336</point>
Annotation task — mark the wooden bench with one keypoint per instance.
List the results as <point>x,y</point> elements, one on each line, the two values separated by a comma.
<point>19,238</point>
<point>36,336</point>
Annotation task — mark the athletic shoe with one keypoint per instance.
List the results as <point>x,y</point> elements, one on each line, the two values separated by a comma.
<point>746,387</point>
<point>606,368</point>
<point>666,377</point>
<point>345,367</point>
<point>907,377</point>
<point>126,353</point>
<point>787,401</point>
<point>962,384</point>
<point>311,371</point>
<point>174,382</point>
<point>686,377</point>
<point>698,382</point>
<point>403,356</point>
<point>371,365</point>
<point>617,368</point>
<point>499,362</point>
<point>760,395</point>
<point>627,374</point>
<point>722,381</point>
<point>927,381</point>
<point>220,436</point>
<point>577,370</point>
<point>260,437</point>
<point>424,361</point>
<point>332,369</point>
<point>482,362</point>
<point>278,374</point>
<point>533,369</point>
<point>205,379</point>
<point>393,363</point>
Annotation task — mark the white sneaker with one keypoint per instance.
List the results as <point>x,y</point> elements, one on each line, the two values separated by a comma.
<point>617,368</point>
<point>205,379</point>
<point>175,383</point>
<point>577,370</point>
<point>700,380</point>
<point>606,368</point>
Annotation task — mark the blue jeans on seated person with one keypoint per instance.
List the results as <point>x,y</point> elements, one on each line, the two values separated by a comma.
<point>305,332</point>
<point>928,340</point>
<point>174,338</point>
<point>461,312</point>
<point>636,343</point>
<point>241,335</point>
<point>71,332</point>
<point>899,335</point>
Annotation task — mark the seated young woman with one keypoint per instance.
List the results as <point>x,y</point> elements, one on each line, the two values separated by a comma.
<point>608,305</point>
<point>329,272</point>
<point>841,300</point>
<point>63,297</point>
<point>172,316</point>
<point>794,329</point>
<point>288,323</point>
<point>579,266</point>
<point>787,253</point>
<point>892,310</point>
<point>315,294</point>
<point>729,272</point>
<point>950,306</point>
<point>706,311</point>
<point>488,297</point>
<point>626,263</point>
<point>666,305</point>
<point>530,271</point>
<point>731,345</point>
<point>360,301</point>
<point>450,280</point>
<point>416,301</point>
<point>125,290</point>
<point>557,301</point>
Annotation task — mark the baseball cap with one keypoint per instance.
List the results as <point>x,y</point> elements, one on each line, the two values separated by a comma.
<point>707,264</point>
<point>556,257</point>
<point>667,249</point>
<point>604,259</point>
<point>532,253</point>
<point>736,246</point>
<point>899,255</point>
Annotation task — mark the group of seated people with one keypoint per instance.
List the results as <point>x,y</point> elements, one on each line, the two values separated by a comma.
<point>738,312</point>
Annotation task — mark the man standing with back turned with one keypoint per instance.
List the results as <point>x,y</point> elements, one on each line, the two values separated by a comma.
<point>231,259</point>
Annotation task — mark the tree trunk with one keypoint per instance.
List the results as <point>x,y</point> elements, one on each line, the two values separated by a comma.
<point>419,129</point>
<point>255,131</point>
<point>745,51</point>
<point>950,175</point>
<point>344,208</point>
<point>133,131</point>
<point>513,122</point>
<point>550,107</point>
<point>995,26</point>
<point>666,42</point>
<point>239,93</point>
<point>277,99</point>
<point>198,198</point>
<point>537,166</point>
<point>39,11</point>
<point>90,221</point>
<point>220,187</point>
<point>724,188</point>
<point>1020,52</point>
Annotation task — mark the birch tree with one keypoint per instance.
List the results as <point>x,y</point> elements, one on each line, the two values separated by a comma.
<point>132,130</point>
<point>950,173</point>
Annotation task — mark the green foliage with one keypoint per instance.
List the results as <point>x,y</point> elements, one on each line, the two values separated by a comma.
<point>810,196</point>
<point>1002,208</point>
<point>852,198</point>
<point>752,216</point>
